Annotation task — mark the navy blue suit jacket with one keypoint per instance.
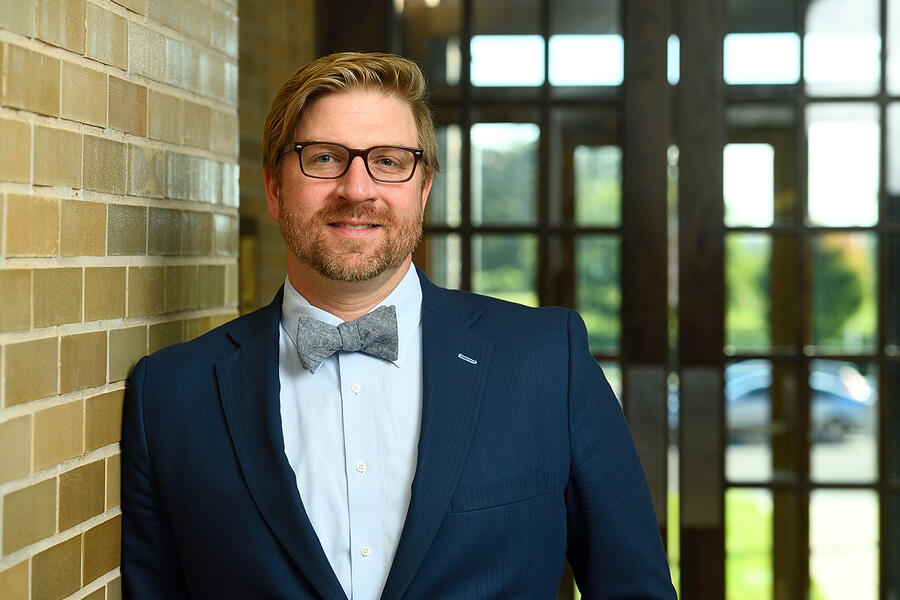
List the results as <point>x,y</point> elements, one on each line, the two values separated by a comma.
<point>524,458</point>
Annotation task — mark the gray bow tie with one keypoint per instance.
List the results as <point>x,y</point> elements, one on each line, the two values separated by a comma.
<point>374,333</point>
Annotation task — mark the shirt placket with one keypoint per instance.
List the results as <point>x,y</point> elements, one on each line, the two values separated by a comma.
<point>363,472</point>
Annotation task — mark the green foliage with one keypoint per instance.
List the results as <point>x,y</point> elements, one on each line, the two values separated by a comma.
<point>748,546</point>
<point>747,276</point>
<point>844,303</point>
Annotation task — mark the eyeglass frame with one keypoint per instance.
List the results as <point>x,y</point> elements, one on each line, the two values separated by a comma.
<point>363,153</point>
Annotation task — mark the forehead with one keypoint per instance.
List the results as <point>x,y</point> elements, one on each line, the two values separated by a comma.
<point>359,118</point>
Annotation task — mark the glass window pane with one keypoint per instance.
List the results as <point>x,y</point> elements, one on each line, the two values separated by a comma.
<point>444,259</point>
<point>491,64</point>
<point>431,33</point>
<point>748,544</point>
<point>893,47</point>
<point>843,146</point>
<point>444,206</point>
<point>892,548</point>
<point>613,372</point>
<point>749,184</point>
<point>598,290</point>
<point>893,159</point>
<point>673,59</point>
<point>587,59</point>
<point>504,173</point>
<point>843,421</point>
<point>598,185</point>
<point>761,421</point>
<point>756,58</point>
<point>842,47</point>
<point>505,266</point>
<point>844,301</point>
<point>843,544</point>
<point>748,307</point>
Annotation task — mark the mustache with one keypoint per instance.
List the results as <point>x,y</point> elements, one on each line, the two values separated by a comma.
<point>357,212</point>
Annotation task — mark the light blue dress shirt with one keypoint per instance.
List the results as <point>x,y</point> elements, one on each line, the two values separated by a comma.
<point>351,431</point>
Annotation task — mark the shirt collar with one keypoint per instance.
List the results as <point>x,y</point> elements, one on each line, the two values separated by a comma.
<point>406,297</point>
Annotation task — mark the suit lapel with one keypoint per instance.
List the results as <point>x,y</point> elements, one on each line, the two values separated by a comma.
<point>452,390</point>
<point>249,392</point>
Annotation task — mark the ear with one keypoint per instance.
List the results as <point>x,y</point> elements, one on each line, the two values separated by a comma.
<point>426,187</point>
<point>273,193</point>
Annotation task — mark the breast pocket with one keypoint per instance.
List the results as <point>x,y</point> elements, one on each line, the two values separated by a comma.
<point>501,493</point>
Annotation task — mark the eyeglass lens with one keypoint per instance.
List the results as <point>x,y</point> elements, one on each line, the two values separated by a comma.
<point>385,163</point>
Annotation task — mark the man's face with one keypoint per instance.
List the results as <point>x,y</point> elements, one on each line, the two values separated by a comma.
<point>352,228</point>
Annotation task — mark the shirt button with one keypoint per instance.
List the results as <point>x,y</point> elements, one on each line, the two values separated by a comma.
<point>365,551</point>
<point>361,467</point>
<point>355,388</point>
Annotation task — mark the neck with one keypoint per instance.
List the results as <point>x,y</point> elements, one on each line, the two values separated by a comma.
<point>346,300</point>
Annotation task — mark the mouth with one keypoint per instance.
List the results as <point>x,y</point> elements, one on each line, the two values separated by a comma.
<point>354,226</point>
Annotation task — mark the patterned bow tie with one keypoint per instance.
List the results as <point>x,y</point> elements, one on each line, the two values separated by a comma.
<point>374,333</point>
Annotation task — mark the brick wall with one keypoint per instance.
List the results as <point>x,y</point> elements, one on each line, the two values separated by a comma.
<point>118,236</point>
<point>277,36</point>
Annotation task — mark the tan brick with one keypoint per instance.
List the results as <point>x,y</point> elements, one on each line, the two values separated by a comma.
<point>212,286</point>
<point>196,233</point>
<point>102,547</point>
<point>196,19</point>
<point>167,12</point>
<point>104,417</point>
<point>231,185</point>
<point>31,370</point>
<point>231,84</point>
<point>224,133</point>
<point>14,582</point>
<point>231,285</point>
<point>165,117</point>
<point>56,572</point>
<point>19,17</point>
<point>211,76</point>
<point>181,64</point>
<point>61,23</point>
<point>126,347</point>
<point>104,293</point>
<point>146,172</point>
<point>164,232</point>
<point>166,334</point>
<point>57,296</point>
<point>224,34</point>
<point>196,327</point>
<point>106,39</point>
<point>197,123</point>
<point>226,234</point>
<point>104,165</point>
<point>146,52</point>
<point>32,81</point>
<point>181,288</point>
<point>221,319</point>
<point>82,494</point>
<point>127,106</point>
<point>83,228</point>
<point>113,481</point>
<point>16,165</point>
<point>15,448</point>
<point>83,94</point>
<point>58,155</point>
<point>98,594</point>
<point>15,298</point>
<point>127,230</point>
<point>82,361</point>
<point>146,291</point>
<point>29,515</point>
<point>138,6</point>
<point>57,434</point>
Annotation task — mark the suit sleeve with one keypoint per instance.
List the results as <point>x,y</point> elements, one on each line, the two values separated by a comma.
<point>614,545</point>
<point>150,564</point>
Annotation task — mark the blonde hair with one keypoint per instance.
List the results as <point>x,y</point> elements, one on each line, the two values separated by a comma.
<point>391,74</point>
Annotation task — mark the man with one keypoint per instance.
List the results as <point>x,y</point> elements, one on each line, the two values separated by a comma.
<point>369,434</point>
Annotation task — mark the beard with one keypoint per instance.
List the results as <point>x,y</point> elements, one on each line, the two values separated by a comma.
<point>344,259</point>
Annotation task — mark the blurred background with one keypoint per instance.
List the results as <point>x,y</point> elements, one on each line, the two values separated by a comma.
<point>713,184</point>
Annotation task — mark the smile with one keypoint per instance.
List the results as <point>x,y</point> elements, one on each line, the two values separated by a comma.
<point>352,227</point>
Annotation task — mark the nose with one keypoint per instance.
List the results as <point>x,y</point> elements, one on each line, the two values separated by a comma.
<point>356,185</point>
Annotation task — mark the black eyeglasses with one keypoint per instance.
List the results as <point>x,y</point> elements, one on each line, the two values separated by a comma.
<point>328,160</point>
